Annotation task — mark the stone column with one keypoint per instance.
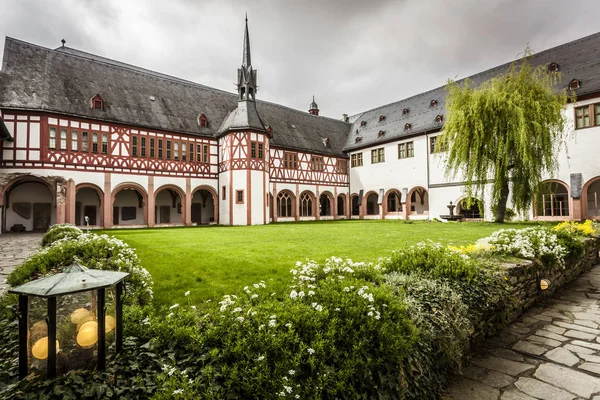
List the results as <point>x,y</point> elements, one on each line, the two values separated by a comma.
<point>61,194</point>
<point>150,205</point>
<point>188,202</point>
<point>577,214</point>
<point>71,200</point>
<point>107,203</point>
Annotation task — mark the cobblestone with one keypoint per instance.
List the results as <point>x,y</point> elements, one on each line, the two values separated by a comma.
<point>14,249</point>
<point>560,360</point>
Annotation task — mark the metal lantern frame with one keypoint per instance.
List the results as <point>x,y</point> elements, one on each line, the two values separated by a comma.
<point>75,279</point>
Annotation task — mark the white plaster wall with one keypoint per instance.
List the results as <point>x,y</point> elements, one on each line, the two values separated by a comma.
<point>394,173</point>
<point>224,204</point>
<point>240,216</point>
<point>128,198</point>
<point>29,193</point>
<point>117,179</point>
<point>162,180</point>
<point>259,188</point>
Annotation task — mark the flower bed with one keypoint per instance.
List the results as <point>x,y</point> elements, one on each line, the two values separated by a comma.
<point>342,329</point>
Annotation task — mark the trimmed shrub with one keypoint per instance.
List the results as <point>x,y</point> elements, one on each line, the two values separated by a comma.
<point>60,231</point>
<point>93,251</point>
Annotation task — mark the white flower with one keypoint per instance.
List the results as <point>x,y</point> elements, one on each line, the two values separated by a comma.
<point>186,294</point>
<point>273,317</point>
<point>311,293</point>
<point>260,358</point>
<point>272,323</point>
<point>146,321</point>
<point>241,319</point>
<point>237,309</point>
<point>310,351</point>
<point>193,307</point>
<point>170,315</point>
<point>177,391</point>
<point>254,296</point>
<point>173,306</point>
<point>291,372</point>
<point>293,294</point>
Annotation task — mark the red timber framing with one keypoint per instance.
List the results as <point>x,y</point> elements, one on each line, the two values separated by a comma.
<point>332,170</point>
<point>85,145</point>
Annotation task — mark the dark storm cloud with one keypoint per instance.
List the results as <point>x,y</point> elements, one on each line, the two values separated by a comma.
<point>352,55</point>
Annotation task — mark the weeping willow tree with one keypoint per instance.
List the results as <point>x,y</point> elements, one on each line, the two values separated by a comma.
<point>508,129</point>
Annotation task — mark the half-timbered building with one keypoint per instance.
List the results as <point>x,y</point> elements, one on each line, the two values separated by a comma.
<point>92,141</point>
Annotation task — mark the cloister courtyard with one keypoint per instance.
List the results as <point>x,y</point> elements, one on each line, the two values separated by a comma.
<point>211,261</point>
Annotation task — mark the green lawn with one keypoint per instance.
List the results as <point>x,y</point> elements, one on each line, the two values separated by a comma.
<point>216,260</point>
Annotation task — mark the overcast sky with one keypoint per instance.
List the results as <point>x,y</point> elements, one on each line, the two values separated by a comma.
<point>353,55</point>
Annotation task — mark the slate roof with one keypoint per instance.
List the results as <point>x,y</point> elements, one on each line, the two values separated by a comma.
<point>579,59</point>
<point>64,80</point>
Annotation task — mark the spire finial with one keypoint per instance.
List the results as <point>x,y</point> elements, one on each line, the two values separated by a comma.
<point>246,61</point>
<point>63,41</point>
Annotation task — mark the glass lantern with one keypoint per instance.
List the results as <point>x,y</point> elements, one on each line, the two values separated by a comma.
<point>70,320</point>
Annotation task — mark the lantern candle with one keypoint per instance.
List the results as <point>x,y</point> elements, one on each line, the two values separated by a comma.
<point>40,348</point>
<point>88,336</point>
<point>79,315</point>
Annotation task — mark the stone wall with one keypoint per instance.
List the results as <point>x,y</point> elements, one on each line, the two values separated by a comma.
<point>524,276</point>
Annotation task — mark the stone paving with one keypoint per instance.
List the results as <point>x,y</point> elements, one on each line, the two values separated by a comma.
<point>551,352</point>
<point>14,248</point>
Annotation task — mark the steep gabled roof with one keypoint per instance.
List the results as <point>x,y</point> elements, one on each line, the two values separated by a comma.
<point>64,80</point>
<point>579,59</point>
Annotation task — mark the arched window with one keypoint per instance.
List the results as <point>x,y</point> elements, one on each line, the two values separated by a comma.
<point>393,202</point>
<point>553,200</point>
<point>284,205</point>
<point>473,211</point>
<point>341,200</point>
<point>355,205</point>
<point>372,206</point>
<point>306,205</point>
<point>325,205</point>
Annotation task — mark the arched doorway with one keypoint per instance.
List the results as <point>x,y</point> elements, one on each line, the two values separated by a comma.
<point>393,202</point>
<point>472,209</point>
<point>29,204</point>
<point>169,204</point>
<point>130,205</point>
<point>204,206</point>
<point>372,207</point>
<point>307,204</point>
<point>418,201</point>
<point>89,203</point>
<point>355,205</point>
<point>553,200</point>
<point>341,205</point>
<point>591,191</point>
<point>325,204</point>
<point>285,204</point>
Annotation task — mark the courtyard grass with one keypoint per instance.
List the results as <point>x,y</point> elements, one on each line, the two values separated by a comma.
<point>211,261</point>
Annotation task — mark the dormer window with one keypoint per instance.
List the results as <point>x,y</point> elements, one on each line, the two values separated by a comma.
<point>575,84</point>
<point>381,133</point>
<point>358,139</point>
<point>326,142</point>
<point>270,130</point>
<point>407,126</point>
<point>381,118</point>
<point>439,119</point>
<point>553,67</point>
<point>363,123</point>
<point>405,111</point>
<point>97,103</point>
<point>433,103</point>
<point>202,121</point>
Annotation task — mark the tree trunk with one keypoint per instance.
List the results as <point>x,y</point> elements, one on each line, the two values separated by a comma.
<point>501,209</point>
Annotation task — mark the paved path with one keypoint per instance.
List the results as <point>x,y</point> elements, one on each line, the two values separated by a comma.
<point>14,249</point>
<point>551,352</point>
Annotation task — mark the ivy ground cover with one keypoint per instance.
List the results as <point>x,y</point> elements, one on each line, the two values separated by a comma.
<point>217,260</point>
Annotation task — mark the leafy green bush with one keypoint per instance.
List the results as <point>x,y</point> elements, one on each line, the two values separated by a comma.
<point>60,231</point>
<point>93,251</point>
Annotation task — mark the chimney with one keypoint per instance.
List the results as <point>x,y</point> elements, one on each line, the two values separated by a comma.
<point>345,117</point>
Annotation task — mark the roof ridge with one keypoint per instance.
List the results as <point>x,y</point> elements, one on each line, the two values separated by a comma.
<point>506,64</point>
<point>301,112</point>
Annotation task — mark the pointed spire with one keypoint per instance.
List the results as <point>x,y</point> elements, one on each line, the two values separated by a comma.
<point>246,61</point>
